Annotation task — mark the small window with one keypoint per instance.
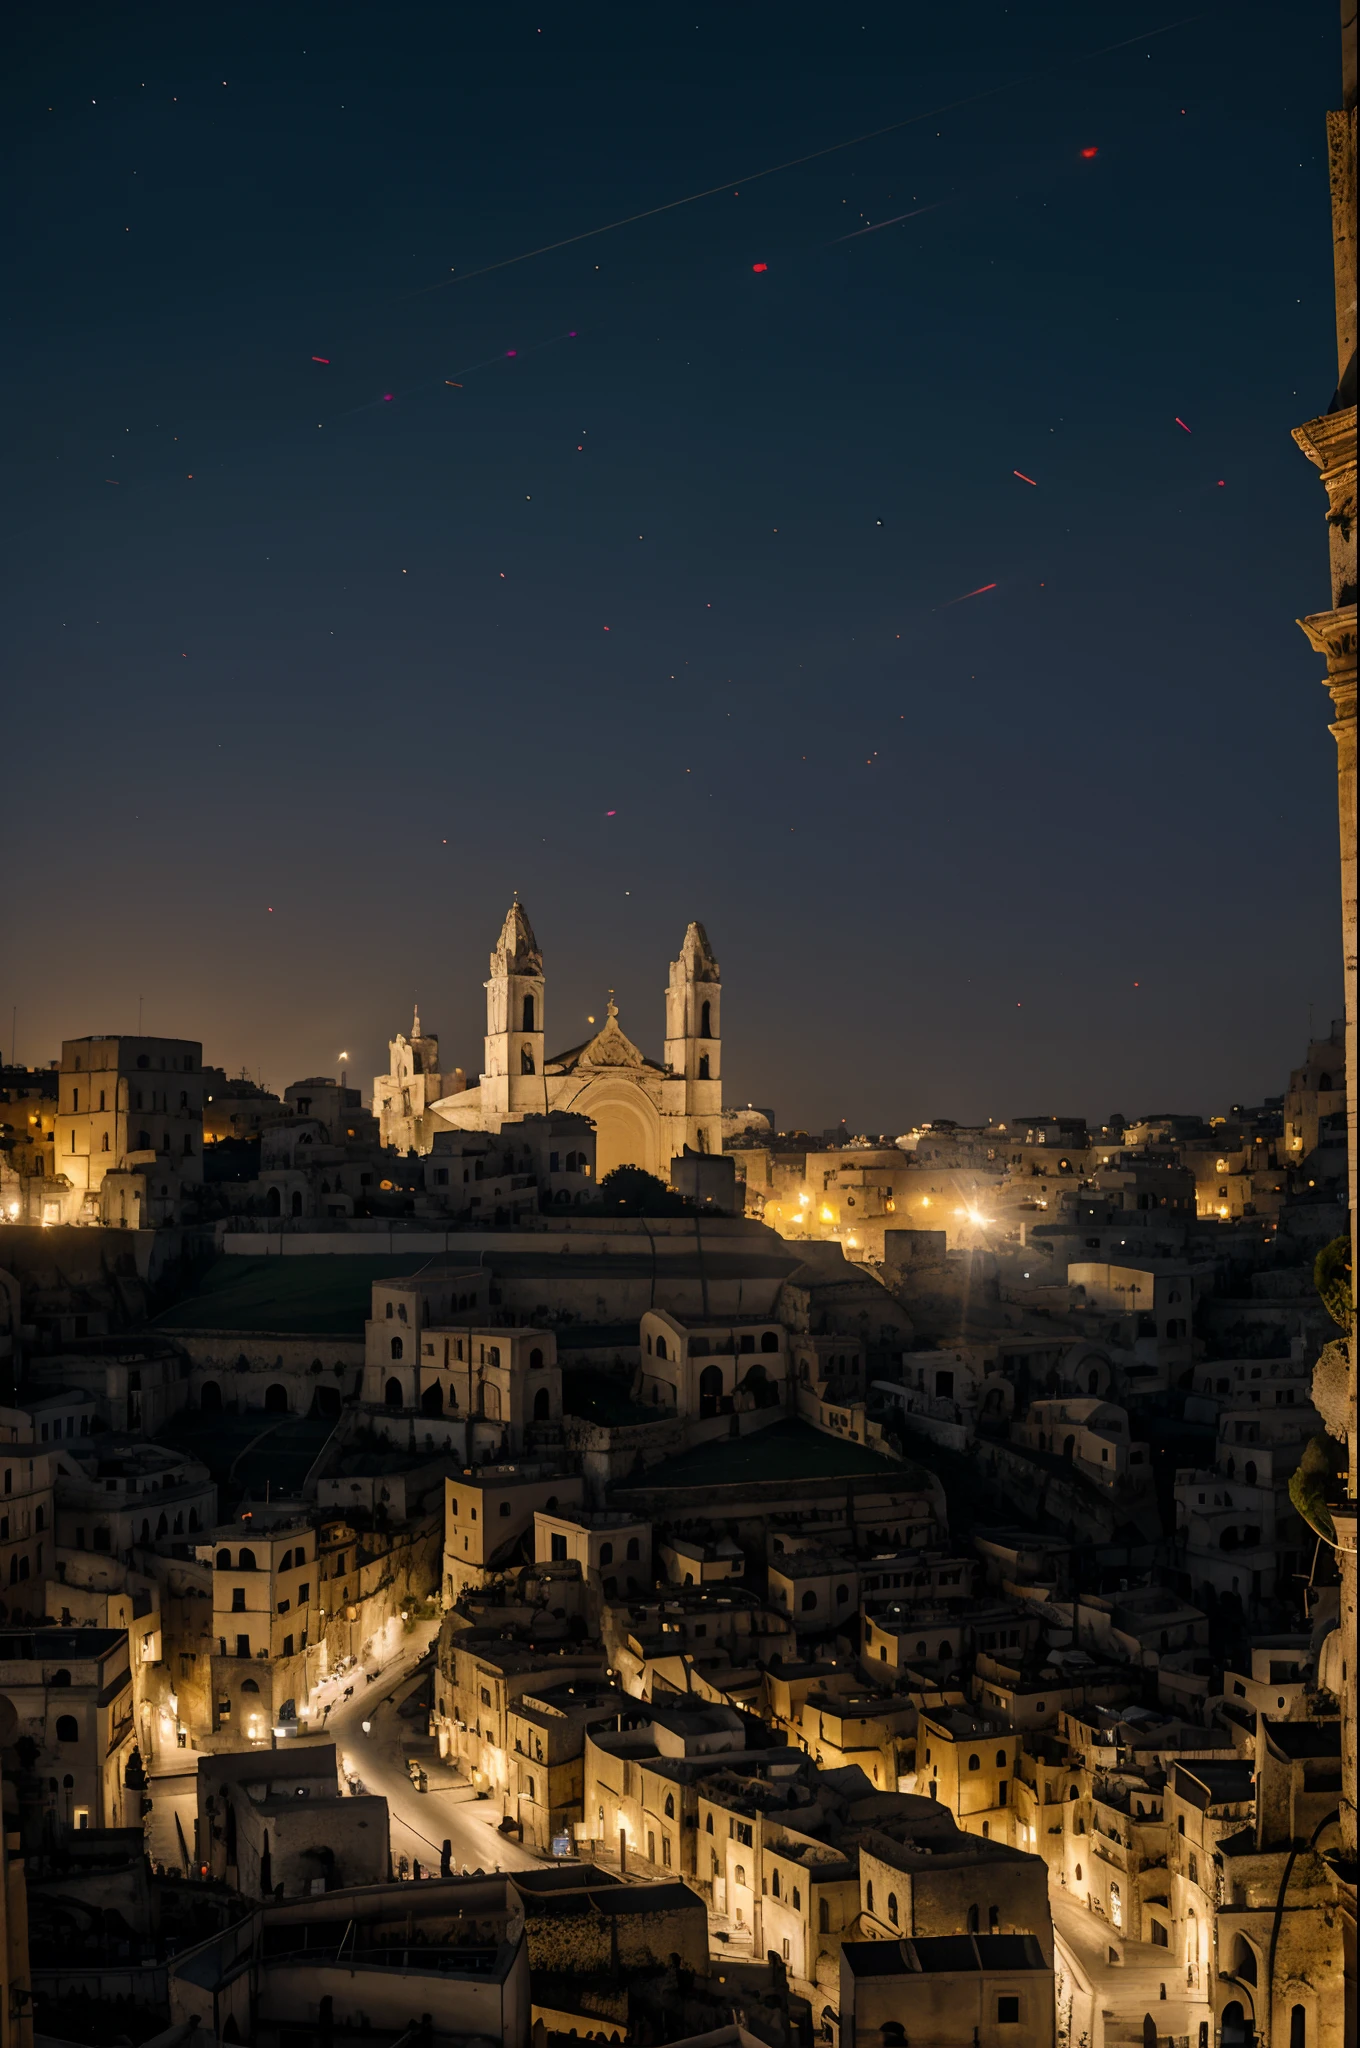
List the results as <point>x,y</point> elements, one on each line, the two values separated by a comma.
<point>1008,2011</point>
<point>67,1730</point>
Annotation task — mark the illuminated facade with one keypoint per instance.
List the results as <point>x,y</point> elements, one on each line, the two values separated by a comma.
<point>645,1112</point>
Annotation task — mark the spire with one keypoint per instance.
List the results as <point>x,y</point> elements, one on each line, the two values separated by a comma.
<point>517,949</point>
<point>611,1007</point>
<point>415,1026</point>
<point>697,954</point>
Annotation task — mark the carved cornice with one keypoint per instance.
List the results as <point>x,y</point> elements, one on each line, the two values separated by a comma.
<point>1329,442</point>
<point>1332,634</point>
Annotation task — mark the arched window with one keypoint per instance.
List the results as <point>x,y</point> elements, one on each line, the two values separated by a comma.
<point>535,1360</point>
<point>276,1399</point>
<point>105,1146</point>
<point>823,1916</point>
<point>973,1920</point>
<point>61,1678</point>
<point>706,1020</point>
<point>526,1059</point>
<point>542,1405</point>
<point>392,1395</point>
<point>703,1067</point>
<point>286,1561</point>
<point>1244,1961</point>
<point>710,1389</point>
<point>975,1762</point>
<point>634,1549</point>
<point>808,1602</point>
<point>892,1907</point>
<point>945,1650</point>
<point>249,1685</point>
<point>708,1825</point>
<point>1001,1759</point>
<point>661,1347</point>
<point>527,1015</point>
<point>247,1561</point>
<point>606,1553</point>
<point>67,1730</point>
<point>893,2034</point>
<point>224,1560</point>
<point>397,1350</point>
<point>210,1398</point>
<point>670,1806</point>
<point>769,1340</point>
<point>1298,2027</point>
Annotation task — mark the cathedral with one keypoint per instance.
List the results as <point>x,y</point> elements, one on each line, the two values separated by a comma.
<point>644,1113</point>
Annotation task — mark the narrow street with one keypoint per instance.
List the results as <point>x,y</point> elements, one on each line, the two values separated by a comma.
<point>420,1821</point>
<point>1110,1999</point>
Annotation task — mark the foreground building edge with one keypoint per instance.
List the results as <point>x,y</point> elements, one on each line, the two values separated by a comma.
<point>1330,444</point>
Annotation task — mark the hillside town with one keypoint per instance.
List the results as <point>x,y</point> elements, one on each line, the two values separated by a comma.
<point>536,1552</point>
<point>697,1604</point>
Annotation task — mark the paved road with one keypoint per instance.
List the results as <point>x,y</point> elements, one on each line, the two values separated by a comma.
<point>1125,1990</point>
<point>421,1821</point>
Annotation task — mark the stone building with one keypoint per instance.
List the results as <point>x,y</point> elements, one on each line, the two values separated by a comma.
<point>27,1536</point>
<point>131,1108</point>
<point>277,1824</point>
<point>996,1989</point>
<point>645,1111</point>
<point>71,1691</point>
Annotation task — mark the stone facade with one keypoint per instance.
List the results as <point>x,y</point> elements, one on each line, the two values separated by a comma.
<point>645,1112</point>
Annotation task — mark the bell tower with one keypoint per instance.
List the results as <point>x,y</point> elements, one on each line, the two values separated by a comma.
<point>693,1055</point>
<point>512,1084</point>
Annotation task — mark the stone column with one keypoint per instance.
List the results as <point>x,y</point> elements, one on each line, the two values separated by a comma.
<point>1329,443</point>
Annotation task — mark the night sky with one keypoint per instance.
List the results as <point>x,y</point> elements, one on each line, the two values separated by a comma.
<point>655,618</point>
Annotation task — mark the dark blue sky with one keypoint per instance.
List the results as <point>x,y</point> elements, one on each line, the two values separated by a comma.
<point>282,641</point>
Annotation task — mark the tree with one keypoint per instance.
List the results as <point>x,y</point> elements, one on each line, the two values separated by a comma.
<point>628,1191</point>
<point>1332,1279</point>
<point>1309,1486</point>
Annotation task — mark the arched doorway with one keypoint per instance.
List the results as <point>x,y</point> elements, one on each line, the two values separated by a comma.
<point>1237,2030</point>
<point>392,1394</point>
<point>542,1406</point>
<point>210,1398</point>
<point>276,1399</point>
<point>710,1389</point>
<point>432,1400</point>
<point>273,1203</point>
<point>627,1125</point>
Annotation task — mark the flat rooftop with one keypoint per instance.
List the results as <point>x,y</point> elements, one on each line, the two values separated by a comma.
<point>786,1451</point>
<point>316,1294</point>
